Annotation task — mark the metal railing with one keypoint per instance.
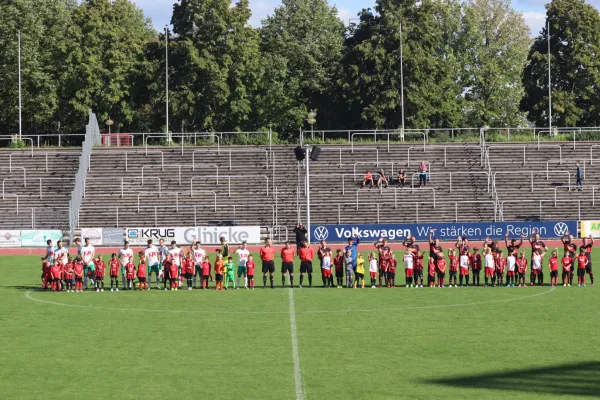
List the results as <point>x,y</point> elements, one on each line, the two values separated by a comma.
<point>41,195</point>
<point>11,195</point>
<point>352,151</point>
<point>275,232</point>
<point>412,190</point>
<point>11,139</point>
<point>579,188</point>
<point>401,134</point>
<point>229,153</point>
<point>182,136</point>
<point>229,177</point>
<point>541,203</point>
<point>435,147</point>
<point>531,173</point>
<point>122,179</point>
<point>525,148</point>
<point>155,208</point>
<point>177,197</point>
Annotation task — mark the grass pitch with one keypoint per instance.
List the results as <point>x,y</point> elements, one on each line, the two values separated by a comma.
<point>453,343</point>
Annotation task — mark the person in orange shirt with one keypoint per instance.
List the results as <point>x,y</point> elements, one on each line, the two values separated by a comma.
<point>287,265</point>
<point>306,256</point>
<point>219,265</point>
<point>581,264</point>
<point>368,179</point>
<point>141,273</point>
<point>267,255</point>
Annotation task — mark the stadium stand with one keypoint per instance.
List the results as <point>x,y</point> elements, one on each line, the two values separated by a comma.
<point>36,187</point>
<point>246,185</point>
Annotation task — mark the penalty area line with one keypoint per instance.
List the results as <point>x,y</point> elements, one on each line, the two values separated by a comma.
<point>295,352</point>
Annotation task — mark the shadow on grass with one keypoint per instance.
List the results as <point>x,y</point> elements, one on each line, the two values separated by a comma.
<point>579,379</point>
<point>37,288</point>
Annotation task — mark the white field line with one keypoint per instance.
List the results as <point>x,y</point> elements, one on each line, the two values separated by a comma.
<point>56,303</point>
<point>295,353</point>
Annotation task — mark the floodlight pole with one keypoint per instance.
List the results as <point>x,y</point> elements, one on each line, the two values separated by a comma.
<point>167,76</point>
<point>402,78</point>
<point>307,158</point>
<point>549,80</point>
<point>20,95</point>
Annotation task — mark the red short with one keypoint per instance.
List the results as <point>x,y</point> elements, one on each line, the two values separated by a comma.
<point>130,276</point>
<point>408,272</point>
<point>373,274</point>
<point>326,273</point>
<point>554,270</point>
<point>464,271</point>
<point>511,273</point>
<point>489,272</point>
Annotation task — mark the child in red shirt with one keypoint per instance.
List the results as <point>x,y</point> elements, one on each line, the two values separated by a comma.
<point>567,265</point>
<point>250,266</point>
<point>142,270</point>
<point>453,267</point>
<point>431,273</point>
<point>522,268</point>
<point>475,260</point>
<point>114,272</point>
<point>69,275</point>
<point>130,274</point>
<point>166,264</point>
<point>338,262</point>
<point>441,269</point>
<point>55,277</point>
<point>418,274</point>
<point>78,269</point>
<point>45,274</point>
<point>205,273</point>
<point>173,276</point>
<point>553,266</point>
<point>500,265</point>
<point>581,264</point>
<point>100,270</point>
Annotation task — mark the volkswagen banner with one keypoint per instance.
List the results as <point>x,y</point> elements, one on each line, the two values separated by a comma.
<point>443,231</point>
<point>188,235</point>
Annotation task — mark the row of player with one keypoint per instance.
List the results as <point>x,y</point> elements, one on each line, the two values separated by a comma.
<point>171,266</point>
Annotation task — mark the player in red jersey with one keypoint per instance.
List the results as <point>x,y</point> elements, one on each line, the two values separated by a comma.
<point>100,270</point>
<point>69,274</point>
<point>114,267</point>
<point>142,271</point>
<point>338,262</point>
<point>166,264</point>
<point>384,265</point>
<point>475,260</point>
<point>45,274</point>
<point>79,270</point>
<point>453,267</point>
<point>587,245</point>
<point>431,272</point>
<point>500,264</point>
<point>521,268</point>
<point>441,269</point>
<point>418,273</point>
<point>173,275</point>
<point>130,274</point>
<point>250,267</point>
<point>205,267</point>
<point>536,244</point>
<point>567,266</point>
<point>570,250</point>
<point>392,266</point>
<point>55,277</point>
<point>553,267</point>
<point>581,264</point>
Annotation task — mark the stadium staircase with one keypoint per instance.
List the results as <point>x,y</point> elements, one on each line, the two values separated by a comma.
<point>36,187</point>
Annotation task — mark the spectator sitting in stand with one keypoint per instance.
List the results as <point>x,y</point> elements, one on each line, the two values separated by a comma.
<point>368,180</point>
<point>382,180</point>
<point>402,177</point>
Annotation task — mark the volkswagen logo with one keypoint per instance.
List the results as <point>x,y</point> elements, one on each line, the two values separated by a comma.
<point>321,233</point>
<point>560,229</point>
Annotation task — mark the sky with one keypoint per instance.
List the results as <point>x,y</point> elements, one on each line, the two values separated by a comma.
<point>160,10</point>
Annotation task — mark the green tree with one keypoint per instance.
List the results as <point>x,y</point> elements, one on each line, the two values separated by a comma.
<point>302,44</point>
<point>43,25</point>
<point>575,72</point>
<point>215,66</point>
<point>371,81</point>
<point>104,59</point>
<point>494,43</point>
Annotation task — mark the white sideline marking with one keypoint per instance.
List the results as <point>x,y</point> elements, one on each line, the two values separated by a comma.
<point>295,354</point>
<point>478,303</point>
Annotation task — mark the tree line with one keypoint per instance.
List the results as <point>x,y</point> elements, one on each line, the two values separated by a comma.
<point>464,63</point>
